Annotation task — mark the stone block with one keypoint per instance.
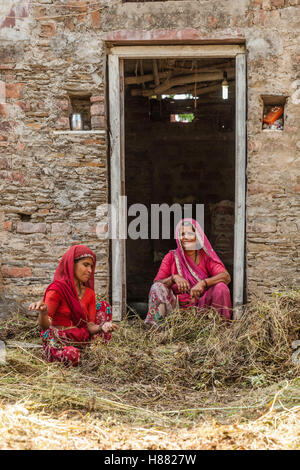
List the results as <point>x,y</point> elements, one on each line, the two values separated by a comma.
<point>4,109</point>
<point>58,228</point>
<point>97,109</point>
<point>16,176</point>
<point>63,124</point>
<point>8,306</point>
<point>277,3</point>
<point>4,165</point>
<point>7,225</point>
<point>288,226</point>
<point>15,272</point>
<point>2,92</point>
<point>47,30</point>
<point>96,20</point>
<point>29,227</point>
<point>5,126</point>
<point>93,142</point>
<point>263,225</point>
<point>34,125</point>
<point>20,146</point>
<point>266,4</point>
<point>14,90</point>
<point>25,105</point>
<point>69,23</point>
<point>98,122</point>
<point>78,5</point>
<point>63,104</point>
<point>257,188</point>
<point>97,98</point>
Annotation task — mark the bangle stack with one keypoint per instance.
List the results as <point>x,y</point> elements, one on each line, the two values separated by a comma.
<point>206,286</point>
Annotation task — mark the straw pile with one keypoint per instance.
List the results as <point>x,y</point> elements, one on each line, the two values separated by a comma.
<point>202,351</point>
<point>22,427</point>
<point>197,382</point>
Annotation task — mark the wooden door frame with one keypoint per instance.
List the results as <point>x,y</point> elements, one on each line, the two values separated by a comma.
<point>116,57</point>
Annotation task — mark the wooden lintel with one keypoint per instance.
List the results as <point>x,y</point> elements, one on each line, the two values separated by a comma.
<point>164,52</point>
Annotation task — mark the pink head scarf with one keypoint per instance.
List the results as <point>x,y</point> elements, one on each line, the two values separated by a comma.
<point>185,265</point>
<point>63,281</point>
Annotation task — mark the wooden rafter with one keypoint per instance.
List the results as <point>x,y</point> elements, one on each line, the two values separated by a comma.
<point>173,82</point>
<point>149,77</point>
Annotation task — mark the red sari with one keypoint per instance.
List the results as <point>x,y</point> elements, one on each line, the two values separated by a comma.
<point>66,310</point>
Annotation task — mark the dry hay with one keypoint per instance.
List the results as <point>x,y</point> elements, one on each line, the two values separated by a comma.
<point>196,383</point>
<point>23,426</point>
<point>203,351</point>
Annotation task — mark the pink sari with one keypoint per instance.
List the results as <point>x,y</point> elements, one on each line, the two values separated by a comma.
<point>178,262</point>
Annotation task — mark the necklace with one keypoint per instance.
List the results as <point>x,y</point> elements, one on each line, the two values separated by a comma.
<point>80,295</point>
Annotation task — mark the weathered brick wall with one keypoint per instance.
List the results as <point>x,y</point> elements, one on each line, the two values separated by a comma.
<point>51,184</point>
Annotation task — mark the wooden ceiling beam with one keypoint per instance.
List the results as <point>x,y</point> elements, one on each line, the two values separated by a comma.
<point>149,77</point>
<point>170,84</point>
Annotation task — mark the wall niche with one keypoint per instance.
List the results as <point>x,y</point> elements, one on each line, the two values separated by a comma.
<point>80,105</point>
<point>273,112</point>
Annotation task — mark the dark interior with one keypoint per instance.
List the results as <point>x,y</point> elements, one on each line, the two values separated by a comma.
<point>169,161</point>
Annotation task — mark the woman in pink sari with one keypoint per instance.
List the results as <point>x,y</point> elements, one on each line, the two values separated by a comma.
<point>192,275</point>
<point>68,315</point>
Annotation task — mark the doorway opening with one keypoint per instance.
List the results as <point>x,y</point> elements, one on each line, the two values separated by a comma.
<point>179,148</point>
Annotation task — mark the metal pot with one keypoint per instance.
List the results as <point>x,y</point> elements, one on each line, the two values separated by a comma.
<point>76,122</point>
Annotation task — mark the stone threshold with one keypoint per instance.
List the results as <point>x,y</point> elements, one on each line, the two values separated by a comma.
<point>78,132</point>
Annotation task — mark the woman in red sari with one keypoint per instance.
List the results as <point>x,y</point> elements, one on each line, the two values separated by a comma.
<point>192,275</point>
<point>68,314</point>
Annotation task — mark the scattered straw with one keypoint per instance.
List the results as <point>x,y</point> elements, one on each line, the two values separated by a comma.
<point>196,383</point>
<point>202,351</point>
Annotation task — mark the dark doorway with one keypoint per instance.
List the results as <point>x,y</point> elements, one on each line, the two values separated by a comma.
<point>179,148</point>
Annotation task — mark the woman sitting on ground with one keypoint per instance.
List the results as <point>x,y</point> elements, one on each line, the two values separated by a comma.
<point>68,314</point>
<point>192,275</point>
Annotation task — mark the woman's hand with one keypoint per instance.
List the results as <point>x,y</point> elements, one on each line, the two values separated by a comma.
<point>40,306</point>
<point>198,290</point>
<point>43,320</point>
<point>182,284</point>
<point>93,329</point>
<point>108,326</point>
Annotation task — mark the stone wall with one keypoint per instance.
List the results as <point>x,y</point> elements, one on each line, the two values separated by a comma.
<point>51,183</point>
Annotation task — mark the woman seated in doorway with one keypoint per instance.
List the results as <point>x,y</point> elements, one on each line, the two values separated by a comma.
<point>192,274</point>
<point>68,314</point>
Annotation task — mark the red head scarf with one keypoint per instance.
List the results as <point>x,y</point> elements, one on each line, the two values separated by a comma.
<point>63,281</point>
